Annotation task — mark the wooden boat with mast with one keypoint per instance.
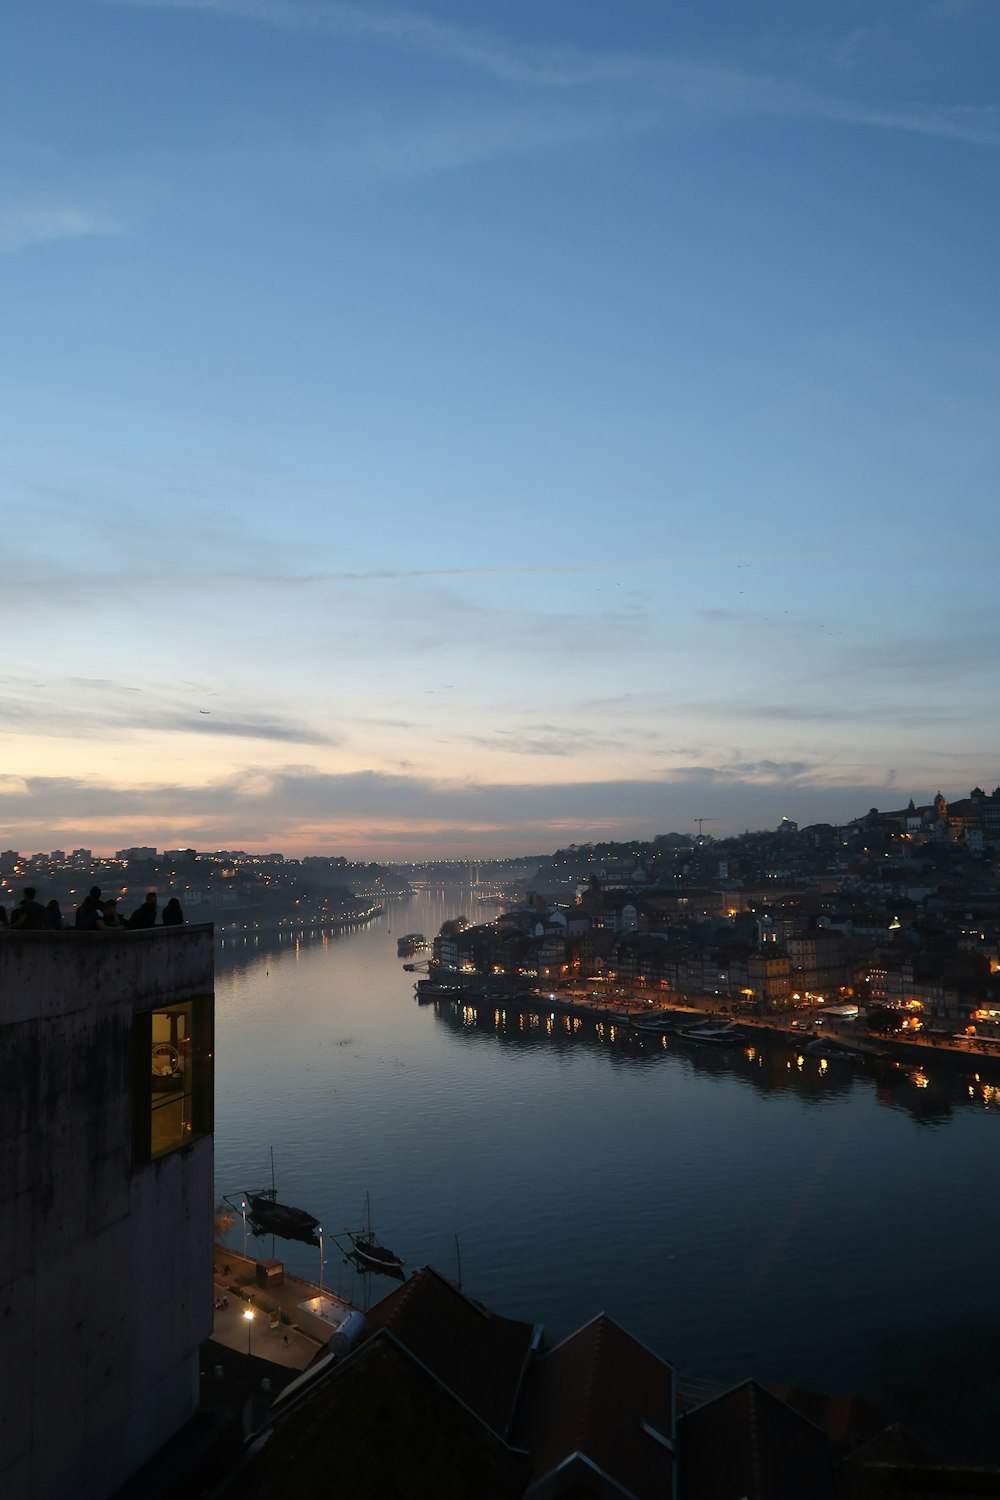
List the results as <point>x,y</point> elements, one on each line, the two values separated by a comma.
<point>282,1219</point>
<point>370,1251</point>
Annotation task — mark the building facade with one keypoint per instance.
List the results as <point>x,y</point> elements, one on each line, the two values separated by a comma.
<point>106,1181</point>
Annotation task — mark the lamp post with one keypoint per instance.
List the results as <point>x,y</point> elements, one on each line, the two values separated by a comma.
<point>319,1231</point>
<point>248,1315</point>
<point>243,1207</point>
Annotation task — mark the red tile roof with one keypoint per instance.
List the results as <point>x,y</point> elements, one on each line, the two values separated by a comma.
<point>478,1355</point>
<point>846,1419</point>
<point>602,1394</point>
<point>749,1444</point>
<point>380,1426</point>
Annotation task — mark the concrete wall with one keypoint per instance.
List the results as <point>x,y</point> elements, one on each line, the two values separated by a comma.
<point>105,1268</point>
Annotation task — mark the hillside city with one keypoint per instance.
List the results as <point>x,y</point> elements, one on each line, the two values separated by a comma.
<point>897,911</point>
<point>215,1369</point>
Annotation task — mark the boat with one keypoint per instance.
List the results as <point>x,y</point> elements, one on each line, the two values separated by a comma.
<point>369,1268</point>
<point>437,989</point>
<point>825,1046</point>
<point>369,1251</point>
<point>721,1033</point>
<point>264,1210</point>
<point>654,1025</point>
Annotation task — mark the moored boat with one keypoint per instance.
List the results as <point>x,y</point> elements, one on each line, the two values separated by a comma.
<point>824,1046</point>
<point>370,1251</point>
<point>439,989</point>
<point>655,1025</point>
<point>717,1033</point>
<point>264,1211</point>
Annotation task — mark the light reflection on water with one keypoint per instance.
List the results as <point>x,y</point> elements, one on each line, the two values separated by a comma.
<point>746,1210</point>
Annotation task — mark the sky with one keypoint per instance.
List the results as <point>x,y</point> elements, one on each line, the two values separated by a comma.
<point>466,429</point>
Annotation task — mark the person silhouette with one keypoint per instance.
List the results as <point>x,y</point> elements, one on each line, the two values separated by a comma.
<point>145,915</point>
<point>29,914</point>
<point>88,913</point>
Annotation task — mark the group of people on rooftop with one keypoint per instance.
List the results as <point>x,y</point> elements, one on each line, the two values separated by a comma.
<point>92,915</point>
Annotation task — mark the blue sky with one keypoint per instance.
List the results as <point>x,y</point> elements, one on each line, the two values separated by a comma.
<point>471,428</point>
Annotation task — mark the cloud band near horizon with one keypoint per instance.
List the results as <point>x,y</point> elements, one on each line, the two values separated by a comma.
<point>302,810</point>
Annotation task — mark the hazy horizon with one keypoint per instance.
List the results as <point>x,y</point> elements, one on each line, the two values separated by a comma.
<point>506,843</point>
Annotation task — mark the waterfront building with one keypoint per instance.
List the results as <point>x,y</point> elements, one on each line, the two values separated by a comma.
<point>106,1180</point>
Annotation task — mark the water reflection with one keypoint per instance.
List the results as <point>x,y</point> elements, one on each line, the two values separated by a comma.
<point>513,1026</point>
<point>928,1096</point>
<point>246,950</point>
<point>736,1208</point>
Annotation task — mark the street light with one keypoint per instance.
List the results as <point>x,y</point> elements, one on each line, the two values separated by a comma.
<point>243,1207</point>
<point>319,1231</point>
<point>248,1315</point>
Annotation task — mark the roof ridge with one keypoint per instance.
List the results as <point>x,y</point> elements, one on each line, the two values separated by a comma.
<point>599,1324</point>
<point>755,1459</point>
<point>403,1294</point>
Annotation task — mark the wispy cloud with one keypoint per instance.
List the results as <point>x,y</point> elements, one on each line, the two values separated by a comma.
<point>692,85</point>
<point>40,588</point>
<point>38,222</point>
<point>450,143</point>
<point>95,708</point>
<point>100,580</point>
<point>548,740</point>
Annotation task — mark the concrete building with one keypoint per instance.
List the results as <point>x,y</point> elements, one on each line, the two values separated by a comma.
<point>106,1181</point>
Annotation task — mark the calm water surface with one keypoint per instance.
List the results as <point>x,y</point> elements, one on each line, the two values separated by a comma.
<point>741,1212</point>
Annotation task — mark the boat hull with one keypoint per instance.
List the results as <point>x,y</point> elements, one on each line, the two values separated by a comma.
<point>280,1218</point>
<point>713,1036</point>
<point>376,1257</point>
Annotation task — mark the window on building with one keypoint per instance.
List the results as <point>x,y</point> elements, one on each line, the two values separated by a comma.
<point>174,1077</point>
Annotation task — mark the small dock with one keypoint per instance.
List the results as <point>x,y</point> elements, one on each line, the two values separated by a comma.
<point>292,1319</point>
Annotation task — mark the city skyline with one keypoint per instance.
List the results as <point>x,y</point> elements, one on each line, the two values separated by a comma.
<point>469,429</point>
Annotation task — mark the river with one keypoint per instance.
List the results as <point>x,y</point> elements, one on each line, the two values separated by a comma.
<point>747,1211</point>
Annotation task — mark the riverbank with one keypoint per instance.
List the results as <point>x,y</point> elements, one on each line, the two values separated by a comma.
<point>843,1036</point>
<point>251,922</point>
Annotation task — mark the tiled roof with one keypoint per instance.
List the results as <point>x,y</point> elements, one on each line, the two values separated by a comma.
<point>599,1393</point>
<point>846,1419</point>
<point>382,1427</point>
<point>478,1355</point>
<point>749,1444</point>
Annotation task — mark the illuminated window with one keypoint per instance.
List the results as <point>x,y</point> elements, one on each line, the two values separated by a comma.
<point>173,1077</point>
